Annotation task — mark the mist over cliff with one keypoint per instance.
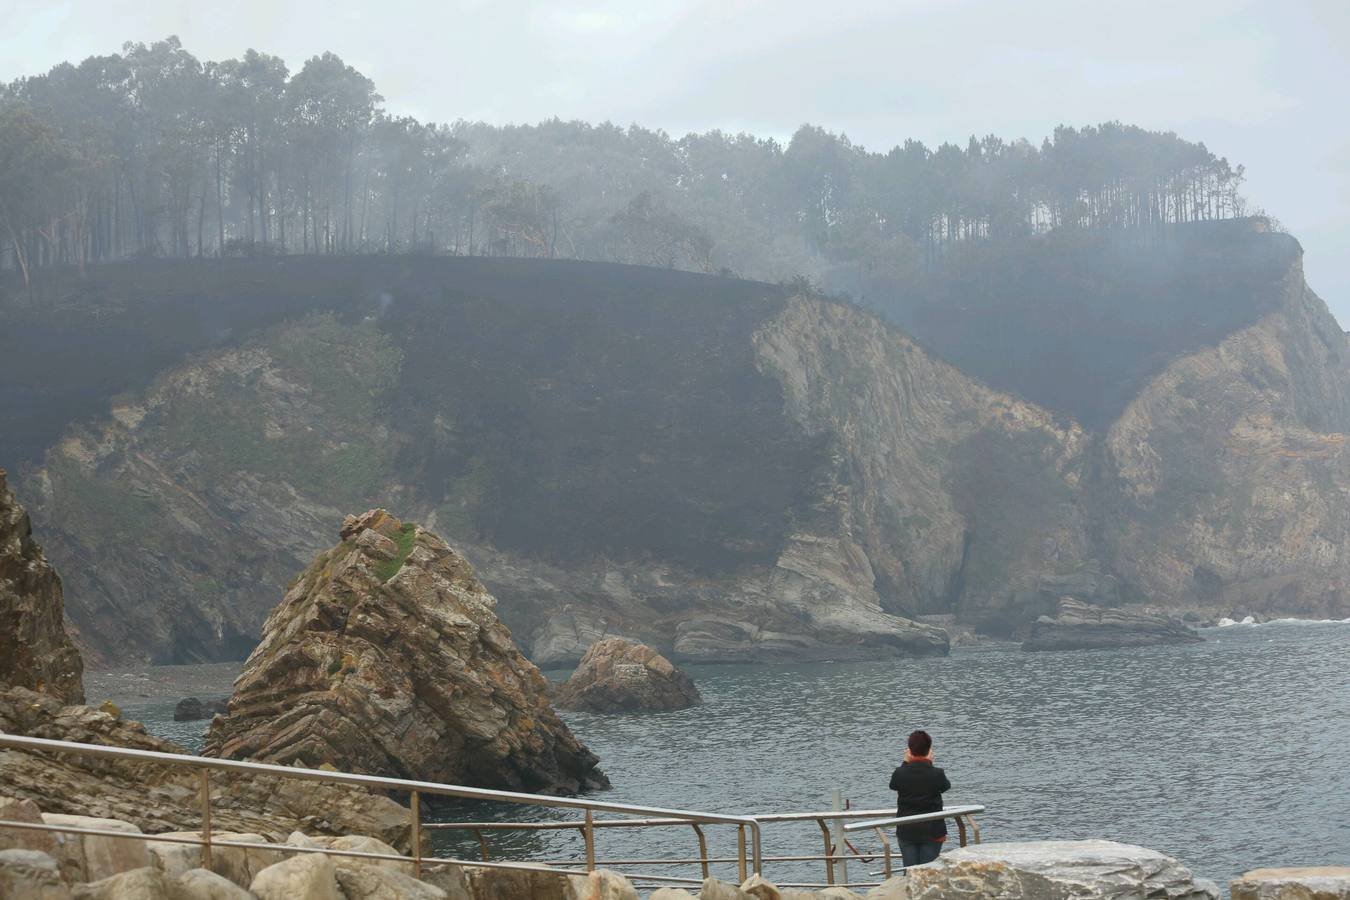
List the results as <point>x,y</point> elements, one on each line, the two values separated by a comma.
<point>728,470</point>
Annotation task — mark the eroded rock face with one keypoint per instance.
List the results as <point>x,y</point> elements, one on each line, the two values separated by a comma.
<point>620,676</point>
<point>1037,869</point>
<point>159,799</point>
<point>37,653</point>
<point>387,657</point>
<point>1081,626</point>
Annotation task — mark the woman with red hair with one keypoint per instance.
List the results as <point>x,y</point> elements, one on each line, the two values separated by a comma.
<point>919,786</point>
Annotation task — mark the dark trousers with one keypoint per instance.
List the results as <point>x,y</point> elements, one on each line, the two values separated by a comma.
<point>916,853</point>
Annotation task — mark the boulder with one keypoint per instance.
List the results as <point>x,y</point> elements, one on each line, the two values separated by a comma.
<point>670,894</point>
<point>713,889</point>
<point>360,881</point>
<point>604,885</point>
<point>305,876</point>
<point>190,709</point>
<point>1311,883</point>
<point>31,875</point>
<point>17,810</point>
<point>146,883</point>
<point>200,884</point>
<point>160,798</point>
<point>617,675</point>
<point>92,857</point>
<point>1082,626</point>
<point>896,888</point>
<point>399,666</point>
<point>1040,869</point>
<point>449,879</point>
<point>38,653</point>
<point>237,864</point>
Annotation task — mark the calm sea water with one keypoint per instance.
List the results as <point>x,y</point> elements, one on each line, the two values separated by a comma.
<point>1230,755</point>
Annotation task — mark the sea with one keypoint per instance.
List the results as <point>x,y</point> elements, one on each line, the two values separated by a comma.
<point>1232,754</point>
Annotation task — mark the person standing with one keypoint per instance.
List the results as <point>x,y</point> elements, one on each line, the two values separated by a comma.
<point>919,786</point>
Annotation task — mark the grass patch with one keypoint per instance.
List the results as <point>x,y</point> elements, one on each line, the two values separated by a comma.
<point>406,539</point>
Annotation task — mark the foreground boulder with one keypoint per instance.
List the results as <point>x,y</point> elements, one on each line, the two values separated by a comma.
<point>617,675</point>
<point>1029,871</point>
<point>37,654</point>
<point>1081,626</point>
<point>387,657</point>
<point>1312,883</point>
<point>157,798</point>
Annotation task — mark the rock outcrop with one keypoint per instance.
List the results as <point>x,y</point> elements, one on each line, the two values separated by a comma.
<point>37,653</point>
<point>1081,626</point>
<point>1038,869</point>
<point>620,676</point>
<point>1310,883</point>
<point>387,657</point>
<point>159,799</point>
<point>190,709</point>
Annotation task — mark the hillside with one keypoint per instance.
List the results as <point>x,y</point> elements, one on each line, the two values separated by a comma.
<point>725,469</point>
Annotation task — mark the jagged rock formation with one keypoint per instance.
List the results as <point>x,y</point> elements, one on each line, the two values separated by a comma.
<point>38,654</point>
<point>387,657</point>
<point>1028,871</point>
<point>720,469</point>
<point>619,676</point>
<point>158,799</point>
<point>1081,626</point>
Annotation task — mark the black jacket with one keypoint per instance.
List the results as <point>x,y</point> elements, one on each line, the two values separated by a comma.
<point>918,789</point>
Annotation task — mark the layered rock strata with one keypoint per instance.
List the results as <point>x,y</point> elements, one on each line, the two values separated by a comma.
<point>1081,626</point>
<point>387,657</point>
<point>157,798</point>
<point>620,676</point>
<point>37,652</point>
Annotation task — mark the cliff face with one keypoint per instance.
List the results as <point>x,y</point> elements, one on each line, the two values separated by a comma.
<point>37,653</point>
<point>716,468</point>
<point>1226,478</point>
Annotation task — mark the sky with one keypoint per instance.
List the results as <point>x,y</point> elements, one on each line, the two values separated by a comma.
<point>1264,84</point>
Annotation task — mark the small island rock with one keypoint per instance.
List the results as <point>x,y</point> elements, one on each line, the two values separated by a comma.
<point>617,675</point>
<point>1082,626</point>
<point>387,657</point>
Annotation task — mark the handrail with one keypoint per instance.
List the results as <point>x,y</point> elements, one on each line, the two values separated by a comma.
<point>950,813</point>
<point>383,783</point>
<point>652,816</point>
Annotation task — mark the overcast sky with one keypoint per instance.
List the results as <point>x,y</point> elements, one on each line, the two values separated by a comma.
<point>1264,84</point>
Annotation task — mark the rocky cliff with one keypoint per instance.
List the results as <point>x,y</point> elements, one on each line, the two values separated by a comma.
<point>37,652</point>
<point>386,657</point>
<point>724,470</point>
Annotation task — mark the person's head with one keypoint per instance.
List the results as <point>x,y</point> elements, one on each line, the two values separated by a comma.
<point>920,743</point>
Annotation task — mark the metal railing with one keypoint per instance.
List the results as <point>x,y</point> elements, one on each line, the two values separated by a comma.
<point>749,858</point>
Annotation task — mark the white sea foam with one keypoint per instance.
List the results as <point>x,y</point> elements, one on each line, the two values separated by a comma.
<point>1251,620</point>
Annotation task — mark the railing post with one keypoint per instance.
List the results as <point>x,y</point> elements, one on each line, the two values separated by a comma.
<point>206,819</point>
<point>839,842</point>
<point>482,844</point>
<point>829,851</point>
<point>589,833</point>
<point>740,852</point>
<point>757,848</point>
<point>415,803</point>
<point>961,828</point>
<point>886,849</point>
<point>702,848</point>
<point>975,829</point>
